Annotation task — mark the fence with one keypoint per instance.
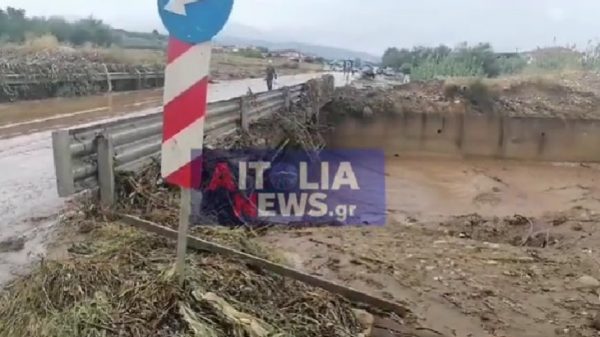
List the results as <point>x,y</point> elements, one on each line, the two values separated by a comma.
<point>128,144</point>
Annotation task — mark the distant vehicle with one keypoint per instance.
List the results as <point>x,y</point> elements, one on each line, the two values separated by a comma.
<point>368,72</point>
<point>387,71</point>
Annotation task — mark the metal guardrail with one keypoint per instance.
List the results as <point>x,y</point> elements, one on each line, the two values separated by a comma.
<point>18,79</point>
<point>136,141</point>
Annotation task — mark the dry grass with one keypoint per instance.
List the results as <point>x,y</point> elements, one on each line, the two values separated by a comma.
<point>502,82</point>
<point>45,42</point>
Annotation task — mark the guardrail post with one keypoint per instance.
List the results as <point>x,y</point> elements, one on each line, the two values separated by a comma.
<point>63,165</point>
<point>245,113</point>
<point>287,98</point>
<point>108,79</point>
<point>106,172</point>
<point>138,83</point>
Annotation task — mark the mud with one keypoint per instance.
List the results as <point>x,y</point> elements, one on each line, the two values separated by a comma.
<point>508,268</point>
<point>430,188</point>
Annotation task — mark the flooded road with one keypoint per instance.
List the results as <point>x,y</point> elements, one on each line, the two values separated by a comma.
<point>33,116</point>
<point>29,202</point>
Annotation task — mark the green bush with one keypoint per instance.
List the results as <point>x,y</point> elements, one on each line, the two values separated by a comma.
<point>511,65</point>
<point>426,63</point>
<point>16,27</point>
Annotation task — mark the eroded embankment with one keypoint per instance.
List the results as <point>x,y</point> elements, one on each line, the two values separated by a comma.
<point>571,95</point>
<point>480,246</point>
<point>106,279</point>
<point>528,120</point>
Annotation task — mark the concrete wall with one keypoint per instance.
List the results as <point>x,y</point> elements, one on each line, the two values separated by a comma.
<point>529,138</point>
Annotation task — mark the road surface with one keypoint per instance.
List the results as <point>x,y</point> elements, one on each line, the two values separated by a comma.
<point>29,203</point>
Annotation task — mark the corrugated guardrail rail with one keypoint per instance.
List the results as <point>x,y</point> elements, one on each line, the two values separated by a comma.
<point>136,141</point>
<point>18,79</point>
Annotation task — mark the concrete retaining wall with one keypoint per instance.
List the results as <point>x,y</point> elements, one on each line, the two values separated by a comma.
<point>529,138</point>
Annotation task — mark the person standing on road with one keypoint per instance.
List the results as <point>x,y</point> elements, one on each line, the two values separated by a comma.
<point>347,70</point>
<point>271,75</point>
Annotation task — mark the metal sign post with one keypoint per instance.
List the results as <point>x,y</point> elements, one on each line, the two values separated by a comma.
<point>191,25</point>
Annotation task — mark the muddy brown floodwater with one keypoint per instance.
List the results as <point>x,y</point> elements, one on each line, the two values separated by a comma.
<point>456,254</point>
<point>31,116</point>
<point>435,188</point>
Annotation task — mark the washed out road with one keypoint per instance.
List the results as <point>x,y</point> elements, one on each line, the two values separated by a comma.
<point>29,203</point>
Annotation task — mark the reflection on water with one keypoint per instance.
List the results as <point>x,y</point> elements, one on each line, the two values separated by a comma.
<point>28,116</point>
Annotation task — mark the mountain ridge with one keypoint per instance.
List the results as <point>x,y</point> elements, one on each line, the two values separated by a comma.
<point>307,48</point>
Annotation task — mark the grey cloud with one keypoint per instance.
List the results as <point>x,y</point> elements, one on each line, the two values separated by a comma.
<point>372,25</point>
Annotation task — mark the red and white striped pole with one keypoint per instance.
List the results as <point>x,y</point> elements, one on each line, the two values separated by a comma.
<point>185,99</point>
<point>191,24</point>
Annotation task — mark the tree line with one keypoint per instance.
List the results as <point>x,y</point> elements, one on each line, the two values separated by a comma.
<point>16,27</point>
<point>463,60</point>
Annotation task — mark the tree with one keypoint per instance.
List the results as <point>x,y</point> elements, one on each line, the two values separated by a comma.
<point>462,60</point>
<point>15,26</point>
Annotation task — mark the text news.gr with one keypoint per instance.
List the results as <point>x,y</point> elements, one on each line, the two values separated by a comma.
<point>337,187</point>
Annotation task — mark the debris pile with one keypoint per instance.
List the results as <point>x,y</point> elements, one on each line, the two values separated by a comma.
<point>119,282</point>
<point>61,72</point>
<point>144,194</point>
<point>571,96</point>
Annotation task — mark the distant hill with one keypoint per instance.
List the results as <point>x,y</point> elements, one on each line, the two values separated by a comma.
<point>129,39</point>
<point>276,39</point>
<point>316,50</point>
<point>243,36</point>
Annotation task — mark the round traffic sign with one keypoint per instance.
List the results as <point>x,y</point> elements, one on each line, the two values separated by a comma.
<point>194,21</point>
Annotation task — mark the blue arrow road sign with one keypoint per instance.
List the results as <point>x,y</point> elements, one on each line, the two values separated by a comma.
<point>194,21</point>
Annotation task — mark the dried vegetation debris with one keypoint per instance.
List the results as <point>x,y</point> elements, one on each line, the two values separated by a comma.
<point>573,95</point>
<point>63,71</point>
<point>119,282</point>
<point>122,285</point>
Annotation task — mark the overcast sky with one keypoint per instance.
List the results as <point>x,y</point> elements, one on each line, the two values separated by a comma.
<point>370,25</point>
